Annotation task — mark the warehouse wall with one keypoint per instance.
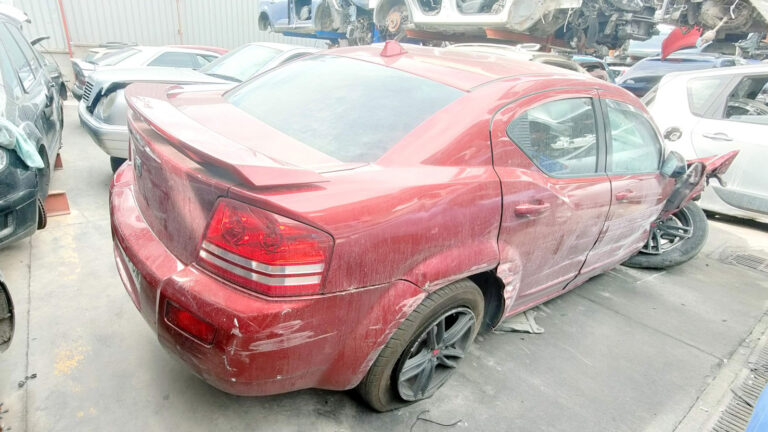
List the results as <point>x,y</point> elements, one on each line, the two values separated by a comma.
<point>223,23</point>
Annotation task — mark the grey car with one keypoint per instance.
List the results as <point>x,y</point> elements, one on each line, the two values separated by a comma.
<point>103,110</point>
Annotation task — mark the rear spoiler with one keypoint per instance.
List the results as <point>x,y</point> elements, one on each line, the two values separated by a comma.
<point>202,145</point>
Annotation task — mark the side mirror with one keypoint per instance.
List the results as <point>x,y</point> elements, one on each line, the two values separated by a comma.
<point>674,165</point>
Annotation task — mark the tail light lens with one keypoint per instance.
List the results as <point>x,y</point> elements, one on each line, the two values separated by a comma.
<point>265,252</point>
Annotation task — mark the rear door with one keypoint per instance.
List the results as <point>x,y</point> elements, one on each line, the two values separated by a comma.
<point>738,120</point>
<point>638,189</point>
<point>548,152</point>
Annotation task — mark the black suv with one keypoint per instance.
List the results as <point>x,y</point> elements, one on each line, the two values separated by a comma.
<point>30,101</point>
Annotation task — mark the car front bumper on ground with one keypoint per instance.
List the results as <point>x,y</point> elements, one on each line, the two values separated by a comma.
<point>261,345</point>
<point>113,139</point>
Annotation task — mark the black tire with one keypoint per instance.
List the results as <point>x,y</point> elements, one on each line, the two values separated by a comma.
<point>116,163</point>
<point>42,216</point>
<point>43,174</point>
<point>683,252</point>
<point>379,387</point>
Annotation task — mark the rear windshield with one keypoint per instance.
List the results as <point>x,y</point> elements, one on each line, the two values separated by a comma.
<point>351,110</point>
<point>115,57</point>
<point>242,63</point>
<point>657,67</point>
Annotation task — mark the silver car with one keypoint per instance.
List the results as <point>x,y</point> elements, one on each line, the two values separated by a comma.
<point>137,56</point>
<point>713,111</point>
<point>103,110</point>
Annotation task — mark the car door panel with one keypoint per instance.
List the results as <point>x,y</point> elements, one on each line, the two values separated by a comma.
<point>638,192</point>
<point>745,183</point>
<point>549,224</point>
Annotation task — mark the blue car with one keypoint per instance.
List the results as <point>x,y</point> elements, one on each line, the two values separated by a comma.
<point>646,73</point>
<point>323,19</point>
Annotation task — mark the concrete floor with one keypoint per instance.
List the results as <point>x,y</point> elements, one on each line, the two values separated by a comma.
<point>630,350</point>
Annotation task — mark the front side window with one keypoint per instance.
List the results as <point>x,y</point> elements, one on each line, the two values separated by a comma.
<point>559,137</point>
<point>746,102</point>
<point>23,70</point>
<point>26,48</point>
<point>351,110</point>
<point>635,147</point>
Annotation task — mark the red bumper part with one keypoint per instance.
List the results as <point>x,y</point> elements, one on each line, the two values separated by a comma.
<point>259,345</point>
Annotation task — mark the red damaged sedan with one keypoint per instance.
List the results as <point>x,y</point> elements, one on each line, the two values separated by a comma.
<point>353,218</point>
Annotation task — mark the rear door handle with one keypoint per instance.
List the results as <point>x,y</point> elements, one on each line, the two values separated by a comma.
<point>717,136</point>
<point>529,209</point>
<point>624,196</point>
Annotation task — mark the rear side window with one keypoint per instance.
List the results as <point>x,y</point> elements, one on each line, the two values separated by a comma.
<point>176,59</point>
<point>634,145</point>
<point>702,91</point>
<point>22,69</point>
<point>351,110</point>
<point>559,137</point>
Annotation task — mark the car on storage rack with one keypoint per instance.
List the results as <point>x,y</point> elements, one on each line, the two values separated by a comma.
<point>103,112</point>
<point>702,113</point>
<point>173,56</point>
<point>31,111</point>
<point>366,244</point>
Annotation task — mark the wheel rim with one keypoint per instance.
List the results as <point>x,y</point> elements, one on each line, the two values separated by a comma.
<point>669,233</point>
<point>434,356</point>
<point>396,20</point>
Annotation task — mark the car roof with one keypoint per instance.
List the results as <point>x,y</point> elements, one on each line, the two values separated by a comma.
<point>163,48</point>
<point>733,70</point>
<point>13,14</point>
<point>284,47</point>
<point>463,69</point>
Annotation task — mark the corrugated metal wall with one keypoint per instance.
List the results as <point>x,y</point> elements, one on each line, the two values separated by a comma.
<point>223,23</point>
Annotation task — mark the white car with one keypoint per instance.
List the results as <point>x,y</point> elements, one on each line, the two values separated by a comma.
<point>709,112</point>
<point>175,56</point>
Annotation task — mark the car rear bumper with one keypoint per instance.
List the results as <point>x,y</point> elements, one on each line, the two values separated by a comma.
<point>110,138</point>
<point>261,345</point>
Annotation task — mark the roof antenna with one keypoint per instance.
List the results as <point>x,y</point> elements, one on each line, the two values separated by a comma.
<point>392,48</point>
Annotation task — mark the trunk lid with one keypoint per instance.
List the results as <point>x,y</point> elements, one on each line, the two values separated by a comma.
<point>189,148</point>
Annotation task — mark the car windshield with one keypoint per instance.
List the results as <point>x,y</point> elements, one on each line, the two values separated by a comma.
<point>657,67</point>
<point>351,110</point>
<point>115,57</point>
<point>242,63</point>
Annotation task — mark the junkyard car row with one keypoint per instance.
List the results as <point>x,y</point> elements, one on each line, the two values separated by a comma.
<point>273,246</point>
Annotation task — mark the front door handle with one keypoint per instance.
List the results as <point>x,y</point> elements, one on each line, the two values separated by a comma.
<point>529,209</point>
<point>717,136</point>
<point>625,196</point>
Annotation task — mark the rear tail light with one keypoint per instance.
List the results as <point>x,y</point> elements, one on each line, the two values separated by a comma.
<point>189,323</point>
<point>265,252</point>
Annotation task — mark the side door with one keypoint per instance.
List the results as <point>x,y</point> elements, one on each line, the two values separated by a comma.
<point>549,154</point>
<point>34,104</point>
<point>638,189</point>
<point>738,120</point>
<point>50,117</point>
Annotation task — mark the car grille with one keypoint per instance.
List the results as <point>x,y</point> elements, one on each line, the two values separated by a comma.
<point>87,92</point>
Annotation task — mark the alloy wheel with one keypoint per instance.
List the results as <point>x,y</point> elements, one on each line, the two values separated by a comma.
<point>434,356</point>
<point>669,233</point>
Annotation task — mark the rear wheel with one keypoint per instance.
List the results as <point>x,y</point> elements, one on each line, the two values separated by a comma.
<point>116,163</point>
<point>674,240</point>
<point>426,349</point>
<point>42,216</point>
